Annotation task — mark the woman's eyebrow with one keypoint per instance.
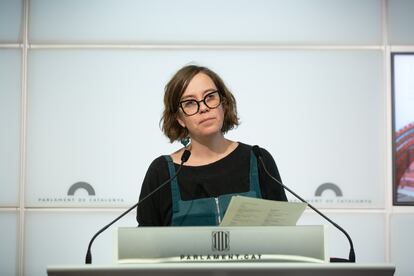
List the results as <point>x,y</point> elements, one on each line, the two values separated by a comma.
<point>193,96</point>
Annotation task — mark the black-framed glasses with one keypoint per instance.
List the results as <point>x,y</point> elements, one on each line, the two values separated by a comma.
<point>191,107</point>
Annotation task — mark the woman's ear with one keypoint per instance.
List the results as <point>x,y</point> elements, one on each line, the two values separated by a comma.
<point>180,121</point>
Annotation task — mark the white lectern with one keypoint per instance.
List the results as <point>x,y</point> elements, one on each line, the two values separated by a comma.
<point>221,244</point>
<point>281,250</point>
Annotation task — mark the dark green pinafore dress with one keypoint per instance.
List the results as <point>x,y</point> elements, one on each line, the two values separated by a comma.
<point>206,211</point>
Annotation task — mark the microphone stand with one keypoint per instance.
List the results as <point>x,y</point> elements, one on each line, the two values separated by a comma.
<point>351,259</point>
<point>88,259</point>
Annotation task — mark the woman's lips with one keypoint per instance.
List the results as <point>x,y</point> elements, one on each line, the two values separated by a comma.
<point>206,120</point>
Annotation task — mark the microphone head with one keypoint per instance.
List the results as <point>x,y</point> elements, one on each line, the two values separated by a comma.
<point>185,156</point>
<point>257,151</point>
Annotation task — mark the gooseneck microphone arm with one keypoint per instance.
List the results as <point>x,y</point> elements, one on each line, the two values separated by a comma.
<point>184,158</point>
<point>258,153</point>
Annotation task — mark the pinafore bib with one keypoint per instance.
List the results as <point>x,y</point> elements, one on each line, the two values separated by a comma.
<point>206,211</point>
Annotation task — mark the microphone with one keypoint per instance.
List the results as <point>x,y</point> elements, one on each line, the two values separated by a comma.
<point>184,158</point>
<point>257,151</point>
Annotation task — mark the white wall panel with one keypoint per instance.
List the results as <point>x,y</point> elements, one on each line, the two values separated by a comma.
<point>10,86</point>
<point>401,22</point>
<point>367,232</point>
<point>402,243</point>
<point>321,114</point>
<point>93,117</point>
<point>10,21</point>
<point>63,238</point>
<point>317,21</point>
<point>8,241</point>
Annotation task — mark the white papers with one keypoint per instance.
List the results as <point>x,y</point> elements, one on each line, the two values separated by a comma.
<point>248,211</point>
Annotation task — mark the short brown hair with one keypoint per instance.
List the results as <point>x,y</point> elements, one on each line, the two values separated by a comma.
<point>175,89</point>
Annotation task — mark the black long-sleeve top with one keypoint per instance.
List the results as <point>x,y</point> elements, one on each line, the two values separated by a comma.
<point>225,176</point>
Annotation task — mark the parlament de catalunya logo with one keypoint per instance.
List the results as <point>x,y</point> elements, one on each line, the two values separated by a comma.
<point>328,186</point>
<point>339,196</point>
<point>81,185</point>
<point>76,194</point>
<point>331,193</point>
<point>220,240</point>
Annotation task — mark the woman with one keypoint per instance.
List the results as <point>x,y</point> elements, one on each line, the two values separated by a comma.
<point>199,107</point>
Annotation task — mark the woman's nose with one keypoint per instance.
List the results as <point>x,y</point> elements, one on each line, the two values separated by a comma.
<point>203,107</point>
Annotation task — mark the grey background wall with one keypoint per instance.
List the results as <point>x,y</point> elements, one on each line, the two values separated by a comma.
<point>81,85</point>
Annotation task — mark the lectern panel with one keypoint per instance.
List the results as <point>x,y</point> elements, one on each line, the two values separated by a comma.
<point>221,244</point>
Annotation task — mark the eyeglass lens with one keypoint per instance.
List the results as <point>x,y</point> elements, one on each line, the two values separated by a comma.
<point>191,107</point>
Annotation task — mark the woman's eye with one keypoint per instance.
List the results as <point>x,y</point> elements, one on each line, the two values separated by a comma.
<point>212,97</point>
<point>189,103</point>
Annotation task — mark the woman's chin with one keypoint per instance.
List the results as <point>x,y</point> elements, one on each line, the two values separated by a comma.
<point>207,133</point>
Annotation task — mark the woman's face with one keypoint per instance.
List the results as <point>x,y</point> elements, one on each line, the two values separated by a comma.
<point>207,121</point>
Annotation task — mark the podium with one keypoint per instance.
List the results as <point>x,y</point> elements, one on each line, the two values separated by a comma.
<point>269,250</point>
<point>221,244</point>
<point>225,269</point>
